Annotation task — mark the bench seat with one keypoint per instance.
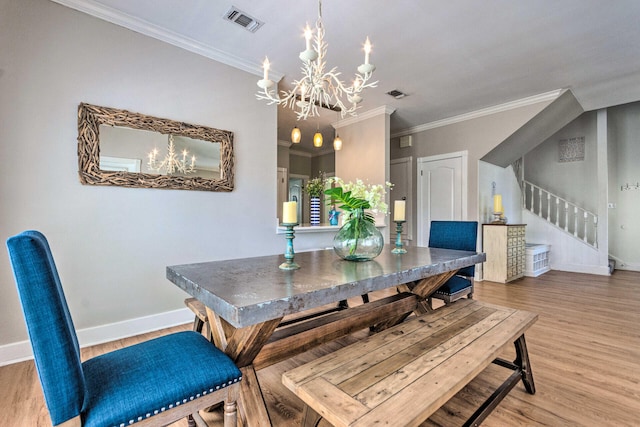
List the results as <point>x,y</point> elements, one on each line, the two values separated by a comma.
<point>404,374</point>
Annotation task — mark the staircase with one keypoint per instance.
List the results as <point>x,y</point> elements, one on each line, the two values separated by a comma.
<point>564,215</point>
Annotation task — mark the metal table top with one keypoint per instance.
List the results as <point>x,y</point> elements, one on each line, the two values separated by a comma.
<point>248,291</point>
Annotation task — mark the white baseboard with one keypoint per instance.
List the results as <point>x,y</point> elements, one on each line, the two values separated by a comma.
<point>20,351</point>
<point>579,268</point>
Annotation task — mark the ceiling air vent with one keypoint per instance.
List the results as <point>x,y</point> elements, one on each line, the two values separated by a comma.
<point>396,94</point>
<point>245,21</point>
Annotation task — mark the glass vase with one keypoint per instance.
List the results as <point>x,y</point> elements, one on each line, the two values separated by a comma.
<point>358,239</point>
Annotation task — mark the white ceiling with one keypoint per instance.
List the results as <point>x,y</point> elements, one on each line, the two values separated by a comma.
<point>450,57</point>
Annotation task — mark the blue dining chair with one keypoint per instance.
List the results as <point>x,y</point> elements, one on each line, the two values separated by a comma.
<point>460,235</point>
<point>152,383</point>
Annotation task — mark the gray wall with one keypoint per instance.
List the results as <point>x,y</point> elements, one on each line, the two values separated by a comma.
<point>478,136</point>
<point>325,163</point>
<point>624,158</point>
<point>573,181</point>
<point>112,244</point>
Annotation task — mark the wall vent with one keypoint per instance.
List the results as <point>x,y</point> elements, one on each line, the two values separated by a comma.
<point>247,22</point>
<point>396,94</point>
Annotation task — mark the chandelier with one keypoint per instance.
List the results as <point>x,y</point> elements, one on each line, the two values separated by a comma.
<point>171,162</point>
<point>317,87</point>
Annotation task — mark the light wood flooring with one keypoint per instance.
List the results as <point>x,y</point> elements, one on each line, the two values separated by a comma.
<point>584,350</point>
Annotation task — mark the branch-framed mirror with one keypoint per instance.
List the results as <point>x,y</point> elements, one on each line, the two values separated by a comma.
<point>118,147</point>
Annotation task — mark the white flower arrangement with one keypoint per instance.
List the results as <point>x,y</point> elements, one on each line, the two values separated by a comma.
<point>372,193</point>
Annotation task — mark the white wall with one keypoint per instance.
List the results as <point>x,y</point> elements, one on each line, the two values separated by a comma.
<point>112,244</point>
<point>506,185</point>
<point>624,158</point>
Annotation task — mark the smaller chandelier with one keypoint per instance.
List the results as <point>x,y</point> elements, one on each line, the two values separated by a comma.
<point>171,163</point>
<point>317,87</point>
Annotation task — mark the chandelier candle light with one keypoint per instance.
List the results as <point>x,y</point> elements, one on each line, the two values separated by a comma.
<point>399,219</point>
<point>318,87</point>
<point>289,220</point>
<point>171,162</point>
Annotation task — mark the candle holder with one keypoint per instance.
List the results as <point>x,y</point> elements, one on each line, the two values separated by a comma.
<point>399,249</point>
<point>289,264</point>
<point>498,218</point>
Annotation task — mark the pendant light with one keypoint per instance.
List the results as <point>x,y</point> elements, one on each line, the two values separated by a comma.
<point>337,142</point>
<point>296,135</point>
<point>317,138</point>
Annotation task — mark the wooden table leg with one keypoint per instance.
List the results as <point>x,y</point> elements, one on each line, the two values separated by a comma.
<point>242,345</point>
<point>425,287</point>
<point>310,418</point>
<point>251,405</point>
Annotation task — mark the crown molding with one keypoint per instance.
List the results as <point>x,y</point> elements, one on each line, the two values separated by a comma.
<point>547,96</point>
<point>384,109</point>
<point>146,28</point>
<point>300,153</point>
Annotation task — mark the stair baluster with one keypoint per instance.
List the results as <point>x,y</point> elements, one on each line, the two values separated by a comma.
<point>573,214</point>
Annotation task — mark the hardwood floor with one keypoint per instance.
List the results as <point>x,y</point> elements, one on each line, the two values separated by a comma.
<point>584,350</point>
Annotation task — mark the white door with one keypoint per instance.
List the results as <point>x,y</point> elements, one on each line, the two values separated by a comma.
<point>442,195</point>
<point>296,194</point>
<point>400,175</point>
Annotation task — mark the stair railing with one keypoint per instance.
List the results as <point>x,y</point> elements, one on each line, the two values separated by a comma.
<point>569,217</point>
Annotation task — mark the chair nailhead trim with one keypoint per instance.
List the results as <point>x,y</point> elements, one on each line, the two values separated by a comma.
<point>171,405</point>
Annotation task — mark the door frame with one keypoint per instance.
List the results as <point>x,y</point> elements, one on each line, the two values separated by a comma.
<point>408,161</point>
<point>464,155</point>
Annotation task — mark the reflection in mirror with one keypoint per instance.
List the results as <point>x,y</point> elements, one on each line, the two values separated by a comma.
<point>127,145</point>
<point>118,147</point>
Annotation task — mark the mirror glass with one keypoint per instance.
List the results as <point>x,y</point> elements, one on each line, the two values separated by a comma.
<point>118,147</point>
<point>121,147</point>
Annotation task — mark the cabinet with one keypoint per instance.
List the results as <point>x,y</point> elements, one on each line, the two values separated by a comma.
<point>504,246</point>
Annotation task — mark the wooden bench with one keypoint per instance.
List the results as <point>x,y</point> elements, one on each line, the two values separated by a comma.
<point>404,374</point>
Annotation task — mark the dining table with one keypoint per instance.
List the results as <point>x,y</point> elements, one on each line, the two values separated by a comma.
<point>260,314</point>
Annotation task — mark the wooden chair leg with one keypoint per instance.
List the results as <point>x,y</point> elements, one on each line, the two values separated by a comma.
<point>231,408</point>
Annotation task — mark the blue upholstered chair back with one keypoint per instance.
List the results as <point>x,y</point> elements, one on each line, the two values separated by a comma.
<point>51,330</point>
<point>460,235</point>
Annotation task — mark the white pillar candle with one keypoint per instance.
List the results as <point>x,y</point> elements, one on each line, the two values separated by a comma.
<point>265,66</point>
<point>307,36</point>
<point>398,210</point>
<point>367,50</point>
<point>290,212</point>
<point>497,204</point>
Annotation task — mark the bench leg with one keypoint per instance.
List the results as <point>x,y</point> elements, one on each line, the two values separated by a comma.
<point>522,360</point>
<point>521,371</point>
<point>310,418</point>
